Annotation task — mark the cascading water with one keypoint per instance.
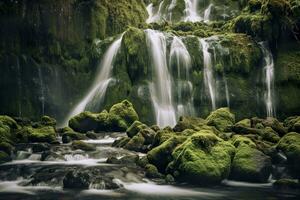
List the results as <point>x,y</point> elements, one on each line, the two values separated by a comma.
<point>157,16</point>
<point>207,13</point>
<point>208,72</point>
<point>161,86</point>
<point>42,90</point>
<point>96,93</point>
<point>268,71</point>
<point>191,11</point>
<point>180,58</point>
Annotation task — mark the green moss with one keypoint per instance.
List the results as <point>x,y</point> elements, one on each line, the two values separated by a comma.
<point>238,141</point>
<point>6,147</point>
<point>270,135</point>
<point>125,112</point>
<point>203,158</point>
<point>290,145</point>
<point>84,122</point>
<point>152,172</point>
<point>250,164</point>
<point>161,155</point>
<point>83,146</point>
<point>43,134</point>
<point>189,123</point>
<point>163,135</point>
<point>48,121</point>
<point>221,119</point>
<point>244,123</point>
<point>136,143</point>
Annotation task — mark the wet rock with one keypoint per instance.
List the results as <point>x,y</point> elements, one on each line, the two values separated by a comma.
<point>136,143</point>
<point>40,147</point>
<point>290,146</point>
<point>169,179</point>
<point>91,135</point>
<point>136,127</point>
<point>152,172</point>
<point>42,134</point>
<point>250,164</point>
<point>222,119</point>
<point>148,134</point>
<point>202,159</point>
<point>70,136</point>
<point>48,121</point>
<point>76,180</point>
<point>293,123</point>
<point>6,147</point>
<point>83,146</point>
<point>121,142</point>
<point>275,125</point>
<point>185,122</point>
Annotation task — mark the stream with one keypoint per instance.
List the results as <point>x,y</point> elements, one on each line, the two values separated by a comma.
<point>27,177</point>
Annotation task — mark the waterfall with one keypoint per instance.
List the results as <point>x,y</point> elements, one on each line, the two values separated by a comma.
<point>208,72</point>
<point>42,90</point>
<point>161,86</point>
<point>158,15</point>
<point>170,9</point>
<point>180,58</point>
<point>191,11</point>
<point>19,88</point>
<point>207,13</point>
<point>97,92</point>
<point>268,71</point>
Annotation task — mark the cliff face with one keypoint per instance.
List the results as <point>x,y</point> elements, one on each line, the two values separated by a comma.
<point>50,50</point>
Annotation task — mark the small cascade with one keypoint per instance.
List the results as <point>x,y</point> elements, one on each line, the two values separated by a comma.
<point>209,80</point>
<point>158,15</point>
<point>42,90</point>
<point>191,11</point>
<point>170,9</point>
<point>161,86</point>
<point>268,71</point>
<point>180,58</point>
<point>97,92</point>
<point>19,88</point>
<point>207,12</point>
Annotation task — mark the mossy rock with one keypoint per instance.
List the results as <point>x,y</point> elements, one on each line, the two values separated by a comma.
<point>239,140</point>
<point>136,143</point>
<point>152,172</point>
<point>250,164</point>
<point>203,159</point>
<point>70,136</point>
<point>186,122</point>
<point>275,125</point>
<point>42,134</point>
<point>148,134</point>
<point>121,142</point>
<point>244,123</point>
<point>48,121</point>
<point>125,111</point>
<point>222,119</point>
<point>293,124</point>
<point>290,146</point>
<point>161,155</point>
<point>4,157</point>
<point>163,135</point>
<point>6,147</point>
<point>84,122</point>
<point>135,128</point>
<point>83,146</point>
<point>7,128</point>
<point>270,135</point>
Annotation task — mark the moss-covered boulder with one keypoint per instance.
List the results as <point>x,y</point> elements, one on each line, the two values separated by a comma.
<point>7,128</point>
<point>135,128</point>
<point>70,136</point>
<point>6,147</point>
<point>244,123</point>
<point>290,146</point>
<point>284,184</point>
<point>152,172</point>
<point>136,143</point>
<point>186,122</point>
<point>48,121</point>
<point>203,158</point>
<point>161,155</point>
<point>163,135</point>
<point>125,113</point>
<point>119,118</point>
<point>293,123</point>
<point>251,165</point>
<point>238,140</point>
<point>83,146</point>
<point>270,135</point>
<point>84,122</point>
<point>222,119</point>
<point>275,125</point>
<point>41,134</point>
